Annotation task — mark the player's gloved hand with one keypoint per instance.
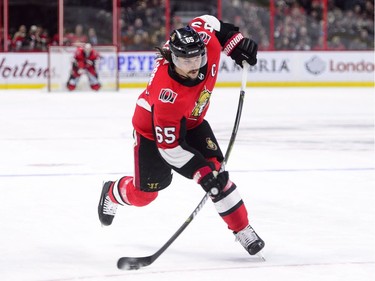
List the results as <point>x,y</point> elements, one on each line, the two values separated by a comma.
<point>241,49</point>
<point>81,71</point>
<point>212,181</point>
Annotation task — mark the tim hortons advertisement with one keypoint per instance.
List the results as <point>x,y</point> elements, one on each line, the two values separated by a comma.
<point>23,70</point>
<point>349,68</point>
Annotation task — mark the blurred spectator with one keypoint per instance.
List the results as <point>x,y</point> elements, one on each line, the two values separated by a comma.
<point>353,22</point>
<point>303,41</point>
<point>32,39</point>
<point>143,25</point>
<point>336,44</point>
<point>252,19</point>
<point>78,37</point>
<point>1,38</point>
<point>361,42</point>
<point>5,41</point>
<point>369,10</point>
<point>298,25</point>
<point>284,44</point>
<point>92,38</point>
<point>138,43</point>
<point>319,46</point>
<point>18,40</point>
<point>55,39</point>
<point>44,40</point>
<point>176,23</point>
<point>263,43</point>
<point>128,37</point>
<point>300,22</point>
<point>157,39</point>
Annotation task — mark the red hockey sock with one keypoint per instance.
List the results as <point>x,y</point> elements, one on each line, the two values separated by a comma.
<point>237,220</point>
<point>231,208</point>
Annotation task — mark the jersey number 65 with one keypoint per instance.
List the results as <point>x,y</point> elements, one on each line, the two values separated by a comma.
<point>165,135</point>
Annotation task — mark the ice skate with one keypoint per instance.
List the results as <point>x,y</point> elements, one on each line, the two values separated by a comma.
<point>250,240</point>
<point>106,208</point>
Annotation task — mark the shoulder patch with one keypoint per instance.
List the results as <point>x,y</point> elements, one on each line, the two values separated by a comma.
<point>167,95</point>
<point>205,37</point>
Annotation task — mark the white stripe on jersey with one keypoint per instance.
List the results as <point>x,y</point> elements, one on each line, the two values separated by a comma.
<point>228,202</point>
<point>177,156</point>
<point>144,104</point>
<point>212,21</point>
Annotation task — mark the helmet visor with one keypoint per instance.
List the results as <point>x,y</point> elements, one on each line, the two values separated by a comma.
<point>189,64</point>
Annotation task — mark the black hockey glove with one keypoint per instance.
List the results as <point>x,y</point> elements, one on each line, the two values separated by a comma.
<point>235,45</point>
<point>214,184</point>
<point>241,50</point>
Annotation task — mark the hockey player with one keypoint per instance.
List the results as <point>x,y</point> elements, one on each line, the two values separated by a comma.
<point>170,130</point>
<point>84,62</point>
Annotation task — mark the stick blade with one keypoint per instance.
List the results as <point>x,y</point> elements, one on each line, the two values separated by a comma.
<point>261,256</point>
<point>128,263</point>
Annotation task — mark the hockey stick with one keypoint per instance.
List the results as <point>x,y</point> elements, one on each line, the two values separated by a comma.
<point>130,263</point>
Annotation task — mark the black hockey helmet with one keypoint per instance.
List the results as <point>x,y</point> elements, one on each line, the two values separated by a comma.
<point>186,42</point>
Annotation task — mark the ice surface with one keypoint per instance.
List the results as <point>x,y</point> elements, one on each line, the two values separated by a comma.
<point>303,161</point>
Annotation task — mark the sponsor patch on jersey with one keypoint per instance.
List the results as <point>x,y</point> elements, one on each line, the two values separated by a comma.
<point>210,144</point>
<point>167,95</point>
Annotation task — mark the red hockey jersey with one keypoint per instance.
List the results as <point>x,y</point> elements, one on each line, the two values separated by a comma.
<point>82,60</point>
<point>170,105</point>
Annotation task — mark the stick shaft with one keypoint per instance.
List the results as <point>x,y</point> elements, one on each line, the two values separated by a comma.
<point>239,112</point>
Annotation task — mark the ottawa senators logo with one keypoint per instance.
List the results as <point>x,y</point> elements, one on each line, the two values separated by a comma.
<point>210,144</point>
<point>205,37</point>
<point>167,95</point>
<point>201,104</point>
